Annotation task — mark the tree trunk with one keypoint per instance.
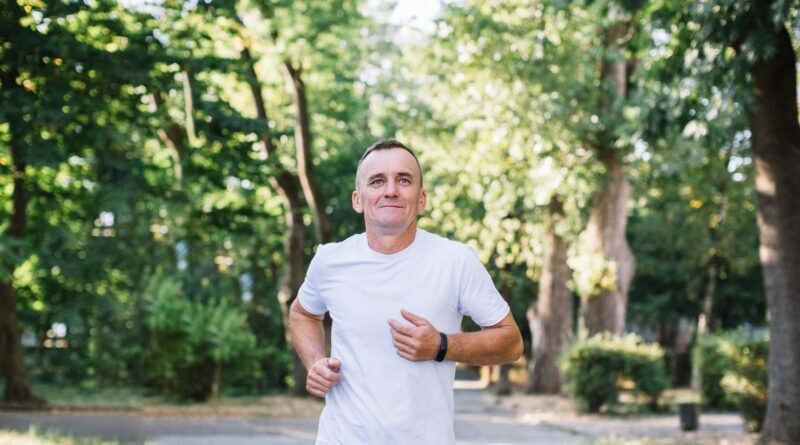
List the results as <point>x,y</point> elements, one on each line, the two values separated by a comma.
<point>295,265</point>
<point>188,105</point>
<point>712,270</point>
<point>704,319</point>
<point>712,266</point>
<point>606,234</point>
<point>216,383</point>
<point>305,159</point>
<point>18,388</point>
<point>551,319</point>
<point>776,144</point>
<point>12,366</point>
<point>288,187</point>
<point>609,215</point>
<point>503,385</point>
<point>172,136</point>
<point>306,170</point>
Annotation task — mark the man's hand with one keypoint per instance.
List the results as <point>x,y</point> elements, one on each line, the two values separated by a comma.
<point>324,373</point>
<point>417,342</point>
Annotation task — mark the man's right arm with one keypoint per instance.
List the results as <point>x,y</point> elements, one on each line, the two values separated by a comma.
<point>308,337</point>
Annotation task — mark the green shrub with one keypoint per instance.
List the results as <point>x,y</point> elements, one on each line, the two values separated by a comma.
<point>189,344</point>
<point>594,367</point>
<point>746,382</point>
<point>712,360</point>
<point>733,371</point>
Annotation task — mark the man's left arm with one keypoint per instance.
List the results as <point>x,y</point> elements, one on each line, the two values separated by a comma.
<point>498,343</point>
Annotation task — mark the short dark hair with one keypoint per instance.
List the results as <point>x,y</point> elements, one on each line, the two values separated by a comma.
<point>387,144</point>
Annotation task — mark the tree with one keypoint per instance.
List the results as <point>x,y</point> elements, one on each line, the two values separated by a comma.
<point>693,177</point>
<point>317,38</point>
<point>540,94</point>
<point>491,89</point>
<point>748,44</point>
<point>287,184</point>
<point>551,324</point>
<point>776,144</point>
<point>150,152</point>
<point>42,88</point>
<point>17,387</point>
<point>605,235</point>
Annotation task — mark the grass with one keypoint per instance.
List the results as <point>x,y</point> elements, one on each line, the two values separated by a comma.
<point>83,396</point>
<point>77,397</point>
<point>36,437</point>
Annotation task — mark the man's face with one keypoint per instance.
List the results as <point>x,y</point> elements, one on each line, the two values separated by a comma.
<point>389,191</point>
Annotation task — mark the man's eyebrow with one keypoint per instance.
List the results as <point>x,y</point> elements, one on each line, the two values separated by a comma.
<point>383,175</point>
<point>407,175</point>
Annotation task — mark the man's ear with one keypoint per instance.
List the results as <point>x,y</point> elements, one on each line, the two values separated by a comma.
<point>357,204</point>
<point>423,201</point>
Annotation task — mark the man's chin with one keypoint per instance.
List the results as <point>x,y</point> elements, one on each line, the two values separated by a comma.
<point>392,227</point>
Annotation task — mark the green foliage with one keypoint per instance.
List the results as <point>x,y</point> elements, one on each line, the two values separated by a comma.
<point>10,256</point>
<point>187,340</point>
<point>733,372</point>
<point>124,176</point>
<point>594,367</point>
<point>693,182</point>
<point>746,383</point>
<point>503,102</point>
<point>712,362</point>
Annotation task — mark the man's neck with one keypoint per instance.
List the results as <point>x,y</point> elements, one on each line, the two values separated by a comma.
<point>389,243</point>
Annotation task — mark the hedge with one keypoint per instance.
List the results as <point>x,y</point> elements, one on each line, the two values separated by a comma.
<point>594,367</point>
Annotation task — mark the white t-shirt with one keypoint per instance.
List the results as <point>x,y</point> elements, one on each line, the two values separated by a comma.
<point>382,398</point>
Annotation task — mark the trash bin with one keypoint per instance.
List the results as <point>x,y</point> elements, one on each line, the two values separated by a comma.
<point>689,414</point>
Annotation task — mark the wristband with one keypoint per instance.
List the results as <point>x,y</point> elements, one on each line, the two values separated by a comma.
<point>442,347</point>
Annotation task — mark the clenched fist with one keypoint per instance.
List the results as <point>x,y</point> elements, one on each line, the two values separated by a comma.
<point>322,375</point>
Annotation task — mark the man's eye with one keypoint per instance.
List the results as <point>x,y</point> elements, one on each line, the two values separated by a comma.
<point>405,181</point>
<point>376,182</point>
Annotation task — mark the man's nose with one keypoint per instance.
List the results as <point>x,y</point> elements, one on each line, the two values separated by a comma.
<point>390,189</point>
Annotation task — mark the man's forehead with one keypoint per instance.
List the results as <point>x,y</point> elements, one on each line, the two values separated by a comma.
<point>390,161</point>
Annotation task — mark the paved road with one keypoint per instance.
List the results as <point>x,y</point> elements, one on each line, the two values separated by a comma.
<point>480,419</point>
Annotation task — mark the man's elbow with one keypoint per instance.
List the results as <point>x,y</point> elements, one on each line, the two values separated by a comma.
<point>516,348</point>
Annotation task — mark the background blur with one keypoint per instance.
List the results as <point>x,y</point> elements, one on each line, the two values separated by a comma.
<point>167,169</point>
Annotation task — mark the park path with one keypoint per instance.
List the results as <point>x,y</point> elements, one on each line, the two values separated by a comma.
<point>481,418</point>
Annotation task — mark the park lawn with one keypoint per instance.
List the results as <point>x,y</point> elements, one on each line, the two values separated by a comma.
<point>35,437</point>
<point>89,398</point>
<point>93,396</point>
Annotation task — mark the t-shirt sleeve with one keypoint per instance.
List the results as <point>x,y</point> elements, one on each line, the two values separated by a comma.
<point>309,294</point>
<point>478,297</point>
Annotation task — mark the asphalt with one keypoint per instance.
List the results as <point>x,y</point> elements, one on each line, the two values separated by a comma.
<point>480,418</point>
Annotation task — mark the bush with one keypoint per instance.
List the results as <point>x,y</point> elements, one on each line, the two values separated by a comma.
<point>594,367</point>
<point>733,369</point>
<point>710,357</point>
<point>189,344</point>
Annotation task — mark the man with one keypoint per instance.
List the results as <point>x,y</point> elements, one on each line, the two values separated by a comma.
<point>396,295</point>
